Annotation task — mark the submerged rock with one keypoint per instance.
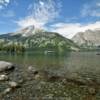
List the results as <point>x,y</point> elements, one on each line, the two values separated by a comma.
<point>3,77</point>
<point>54,78</point>
<point>41,75</point>
<point>7,90</point>
<point>92,91</point>
<point>13,84</point>
<point>33,70</point>
<point>5,66</point>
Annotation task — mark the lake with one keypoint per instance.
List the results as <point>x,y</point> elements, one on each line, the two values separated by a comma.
<point>74,66</point>
<point>85,63</point>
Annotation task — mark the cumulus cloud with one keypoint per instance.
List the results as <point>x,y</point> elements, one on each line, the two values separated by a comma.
<point>91,9</point>
<point>70,29</point>
<point>41,13</point>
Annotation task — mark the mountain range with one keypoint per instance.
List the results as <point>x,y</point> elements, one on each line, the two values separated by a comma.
<point>37,39</point>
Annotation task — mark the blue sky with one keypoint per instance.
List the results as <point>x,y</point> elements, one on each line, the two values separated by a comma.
<point>66,17</point>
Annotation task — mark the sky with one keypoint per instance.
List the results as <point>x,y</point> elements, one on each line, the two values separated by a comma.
<point>67,17</point>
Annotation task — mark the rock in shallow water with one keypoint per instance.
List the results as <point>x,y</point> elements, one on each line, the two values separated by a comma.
<point>3,77</point>
<point>33,70</point>
<point>5,66</point>
<point>92,91</point>
<point>41,75</point>
<point>7,90</point>
<point>13,84</point>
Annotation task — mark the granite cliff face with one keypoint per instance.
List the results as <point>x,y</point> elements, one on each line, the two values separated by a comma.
<point>88,38</point>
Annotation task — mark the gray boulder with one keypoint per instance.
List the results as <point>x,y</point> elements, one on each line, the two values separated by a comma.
<point>6,66</point>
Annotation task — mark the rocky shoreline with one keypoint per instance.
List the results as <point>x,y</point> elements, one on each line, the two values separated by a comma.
<point>35,84</point>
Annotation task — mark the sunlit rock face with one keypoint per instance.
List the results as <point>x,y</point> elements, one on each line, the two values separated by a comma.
<point>28,31</point>
<point>87,38</point>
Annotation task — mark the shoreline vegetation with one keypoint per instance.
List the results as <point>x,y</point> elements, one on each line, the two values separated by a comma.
<point>63,48</point>
<point>17,49</point>
<point>12,48</point>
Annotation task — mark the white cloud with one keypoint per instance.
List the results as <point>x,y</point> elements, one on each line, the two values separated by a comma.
<point>41,3</point>
<point>91,9</point>
<point>41,13</point>
<point>70,29</point>
<point>45,11</point>
<point>28,21</point>
<point>4,3</point>
<point>7,1</point>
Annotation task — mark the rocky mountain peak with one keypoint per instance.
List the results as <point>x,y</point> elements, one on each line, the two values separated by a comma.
<point>28,31</point>
<point>88,38</point>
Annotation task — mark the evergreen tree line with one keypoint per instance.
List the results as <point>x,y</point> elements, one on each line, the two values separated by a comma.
<point>12,48</point>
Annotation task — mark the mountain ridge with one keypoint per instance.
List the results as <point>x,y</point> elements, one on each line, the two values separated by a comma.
<point>89,38</point>
<point>37,39</point>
